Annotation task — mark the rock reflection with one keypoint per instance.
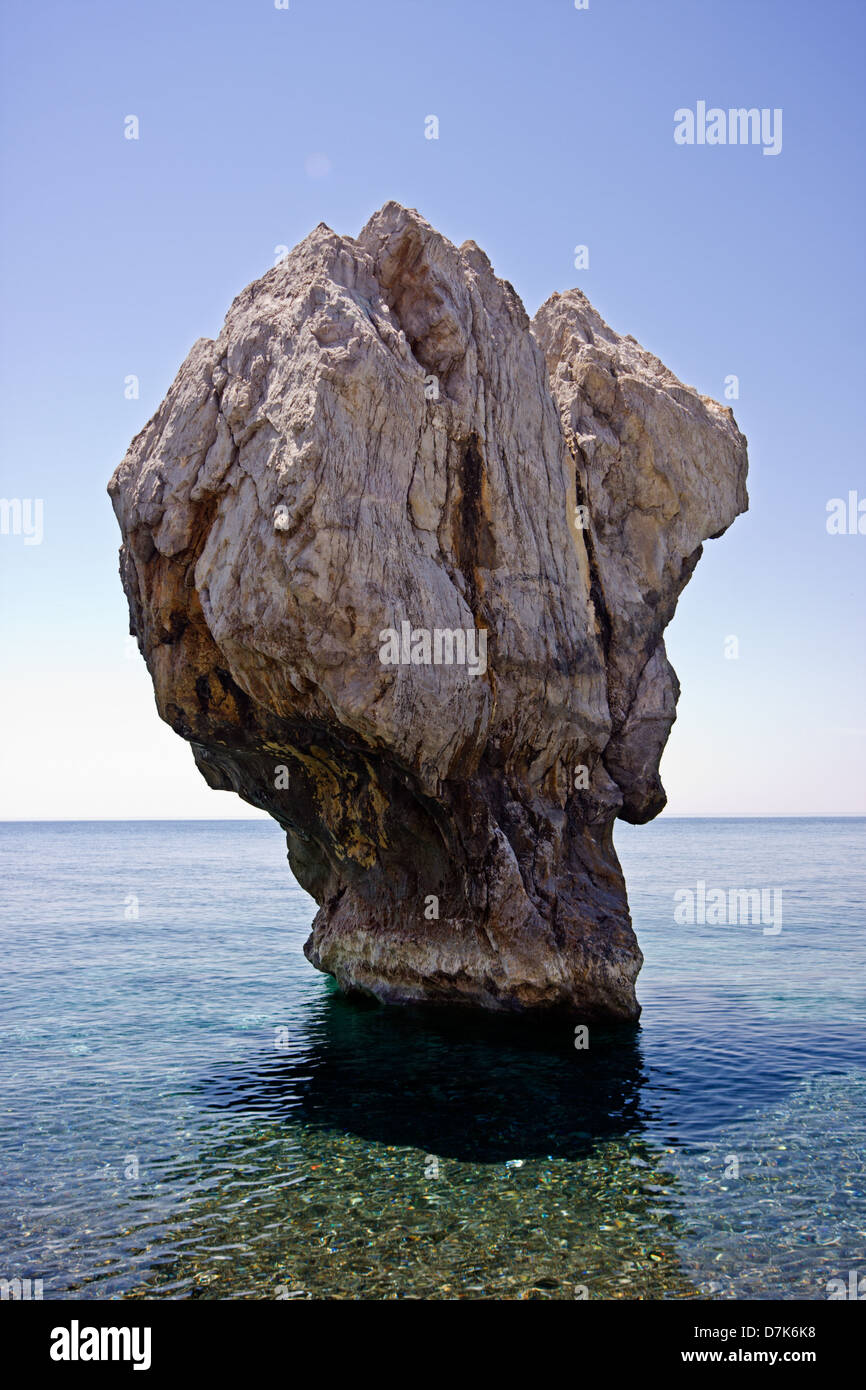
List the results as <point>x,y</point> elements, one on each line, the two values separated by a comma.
<point>476,1090</point>
<point>389,1154</point>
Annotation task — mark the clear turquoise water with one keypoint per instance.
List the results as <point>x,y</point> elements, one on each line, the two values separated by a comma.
<point>190,1110</point>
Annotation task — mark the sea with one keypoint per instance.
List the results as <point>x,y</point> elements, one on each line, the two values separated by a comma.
<point>190,1110</point>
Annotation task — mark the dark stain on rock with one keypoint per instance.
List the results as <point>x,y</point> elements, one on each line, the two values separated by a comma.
<point>474,545</point>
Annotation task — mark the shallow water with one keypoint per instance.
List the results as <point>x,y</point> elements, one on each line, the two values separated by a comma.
<point>190,1110</point>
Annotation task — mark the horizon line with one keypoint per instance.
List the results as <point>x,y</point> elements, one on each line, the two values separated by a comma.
<point>244,820</point>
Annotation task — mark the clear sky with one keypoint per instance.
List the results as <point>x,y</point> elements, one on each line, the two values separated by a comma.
<point>555,129</point>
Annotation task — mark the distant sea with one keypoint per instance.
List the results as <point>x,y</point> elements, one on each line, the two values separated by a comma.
<point>190,1110</point>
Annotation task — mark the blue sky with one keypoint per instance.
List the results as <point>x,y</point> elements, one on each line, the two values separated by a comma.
<point>555,129</point>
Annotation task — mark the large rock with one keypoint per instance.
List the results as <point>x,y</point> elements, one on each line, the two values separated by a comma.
<point>378,438</point>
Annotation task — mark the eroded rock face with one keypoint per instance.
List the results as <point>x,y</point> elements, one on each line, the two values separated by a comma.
<point>378,465</point>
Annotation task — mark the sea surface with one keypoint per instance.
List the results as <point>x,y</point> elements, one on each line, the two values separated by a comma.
<point>189,1110</point>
